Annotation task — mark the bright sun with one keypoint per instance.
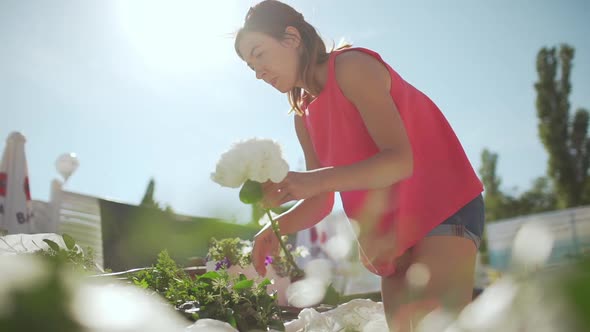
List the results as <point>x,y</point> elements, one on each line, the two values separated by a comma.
<point>180,36</point>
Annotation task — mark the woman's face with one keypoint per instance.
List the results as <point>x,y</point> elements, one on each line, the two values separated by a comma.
<point>274,61</point>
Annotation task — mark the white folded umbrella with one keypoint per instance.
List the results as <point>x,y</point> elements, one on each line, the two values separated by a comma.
<point>15,197</point>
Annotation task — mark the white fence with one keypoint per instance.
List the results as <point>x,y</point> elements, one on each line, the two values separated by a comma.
<point>570,229</point>
<point>79,216</point>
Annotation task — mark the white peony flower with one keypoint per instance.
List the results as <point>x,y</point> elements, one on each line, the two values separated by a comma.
<point>254,159</point>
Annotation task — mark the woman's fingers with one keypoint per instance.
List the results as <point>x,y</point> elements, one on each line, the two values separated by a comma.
<point>286,197</point>
<point>264,246</point>
<point>275,194</point>
<point>258,258</point>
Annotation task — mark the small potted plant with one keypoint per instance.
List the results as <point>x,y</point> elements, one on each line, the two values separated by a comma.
<point>243,303</point>
<point>234,255</point>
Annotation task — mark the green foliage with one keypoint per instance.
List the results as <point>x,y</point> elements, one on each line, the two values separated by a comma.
<point>73,256</point>
<point>283,265</point>
<point>501,205</point>
<point>539,198</point>
<point>133,236</point>
<point>42,305</point>
<point>251,192</point>
<point>230,251</point>
<point>576,288</point>
<point>493,197</point>
<point>235,251</point>
<point>148,200</point>
<point>565,139</point>
<point>237,300</point>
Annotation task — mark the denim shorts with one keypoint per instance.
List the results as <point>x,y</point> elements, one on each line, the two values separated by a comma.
<point>467,222</point>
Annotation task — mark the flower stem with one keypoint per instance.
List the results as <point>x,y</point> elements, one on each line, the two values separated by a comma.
<point>297,272</point>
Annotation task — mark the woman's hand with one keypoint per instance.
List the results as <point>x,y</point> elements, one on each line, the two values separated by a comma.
<point>295,186</point>
<point>265,245</point>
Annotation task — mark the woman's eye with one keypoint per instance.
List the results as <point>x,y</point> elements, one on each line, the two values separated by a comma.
<point>259,55</point>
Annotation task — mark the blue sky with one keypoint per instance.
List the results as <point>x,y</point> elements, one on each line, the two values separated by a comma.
<point>141,89</point>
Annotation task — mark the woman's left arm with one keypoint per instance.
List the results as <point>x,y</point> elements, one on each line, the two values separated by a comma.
<point>366,82</point>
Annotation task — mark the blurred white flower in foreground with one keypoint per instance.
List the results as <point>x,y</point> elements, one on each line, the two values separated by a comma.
<point>96,305</point>
<point>307,292</point>
<point>357,315</point>
<point>512,305</point>
<point>311,290</point>
<point>418,275</point>
<point>18,273</point>
<point>341,236</point>
<point>210,325</point>
<point>116,307</point>
<point>254,159</point>
<point>532,245</point>
<point>437,320</point>
<point>525,299</point>
<point>491,309</point>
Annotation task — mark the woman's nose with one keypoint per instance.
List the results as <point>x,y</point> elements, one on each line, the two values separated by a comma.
<point>260,74</point>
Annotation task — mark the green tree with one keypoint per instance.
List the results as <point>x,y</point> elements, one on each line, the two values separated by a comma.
<point>493,197</point>
<point>501,205</point>
<point>148,198</point>
<point>540,198</point>
<point>149,201</point>
<point>565,139</point>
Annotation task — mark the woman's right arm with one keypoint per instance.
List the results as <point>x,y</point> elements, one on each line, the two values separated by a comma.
<point>308,212</point>
<point>302,215</point>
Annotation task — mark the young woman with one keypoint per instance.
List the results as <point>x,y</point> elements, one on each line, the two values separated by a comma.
<point>401,172</point>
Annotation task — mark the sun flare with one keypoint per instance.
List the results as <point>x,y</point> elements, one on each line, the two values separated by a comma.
<point>179,36</point>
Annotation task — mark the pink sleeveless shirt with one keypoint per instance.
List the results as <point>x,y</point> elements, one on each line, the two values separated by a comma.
<point>442,182</point>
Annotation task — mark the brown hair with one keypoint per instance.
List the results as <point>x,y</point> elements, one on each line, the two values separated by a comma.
<point>272,17</point>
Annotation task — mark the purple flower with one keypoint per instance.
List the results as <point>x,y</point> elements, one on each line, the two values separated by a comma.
<point>267,260</point>
<point>224,263</point>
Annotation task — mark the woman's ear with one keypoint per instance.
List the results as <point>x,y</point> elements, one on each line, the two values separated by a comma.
<point>292,37</point>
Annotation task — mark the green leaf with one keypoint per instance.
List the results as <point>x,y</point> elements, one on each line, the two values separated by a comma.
<point>143,283</point>
<point>210,275</point>
<point>265,282</point>
<point>276,324</point>
<point>576,289</point>
<point>332,296</point>
<point>244,284</point>
<point>69,241</point>
<point>231,319</point>
<point>52,245</point>
<point>251,192</point>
